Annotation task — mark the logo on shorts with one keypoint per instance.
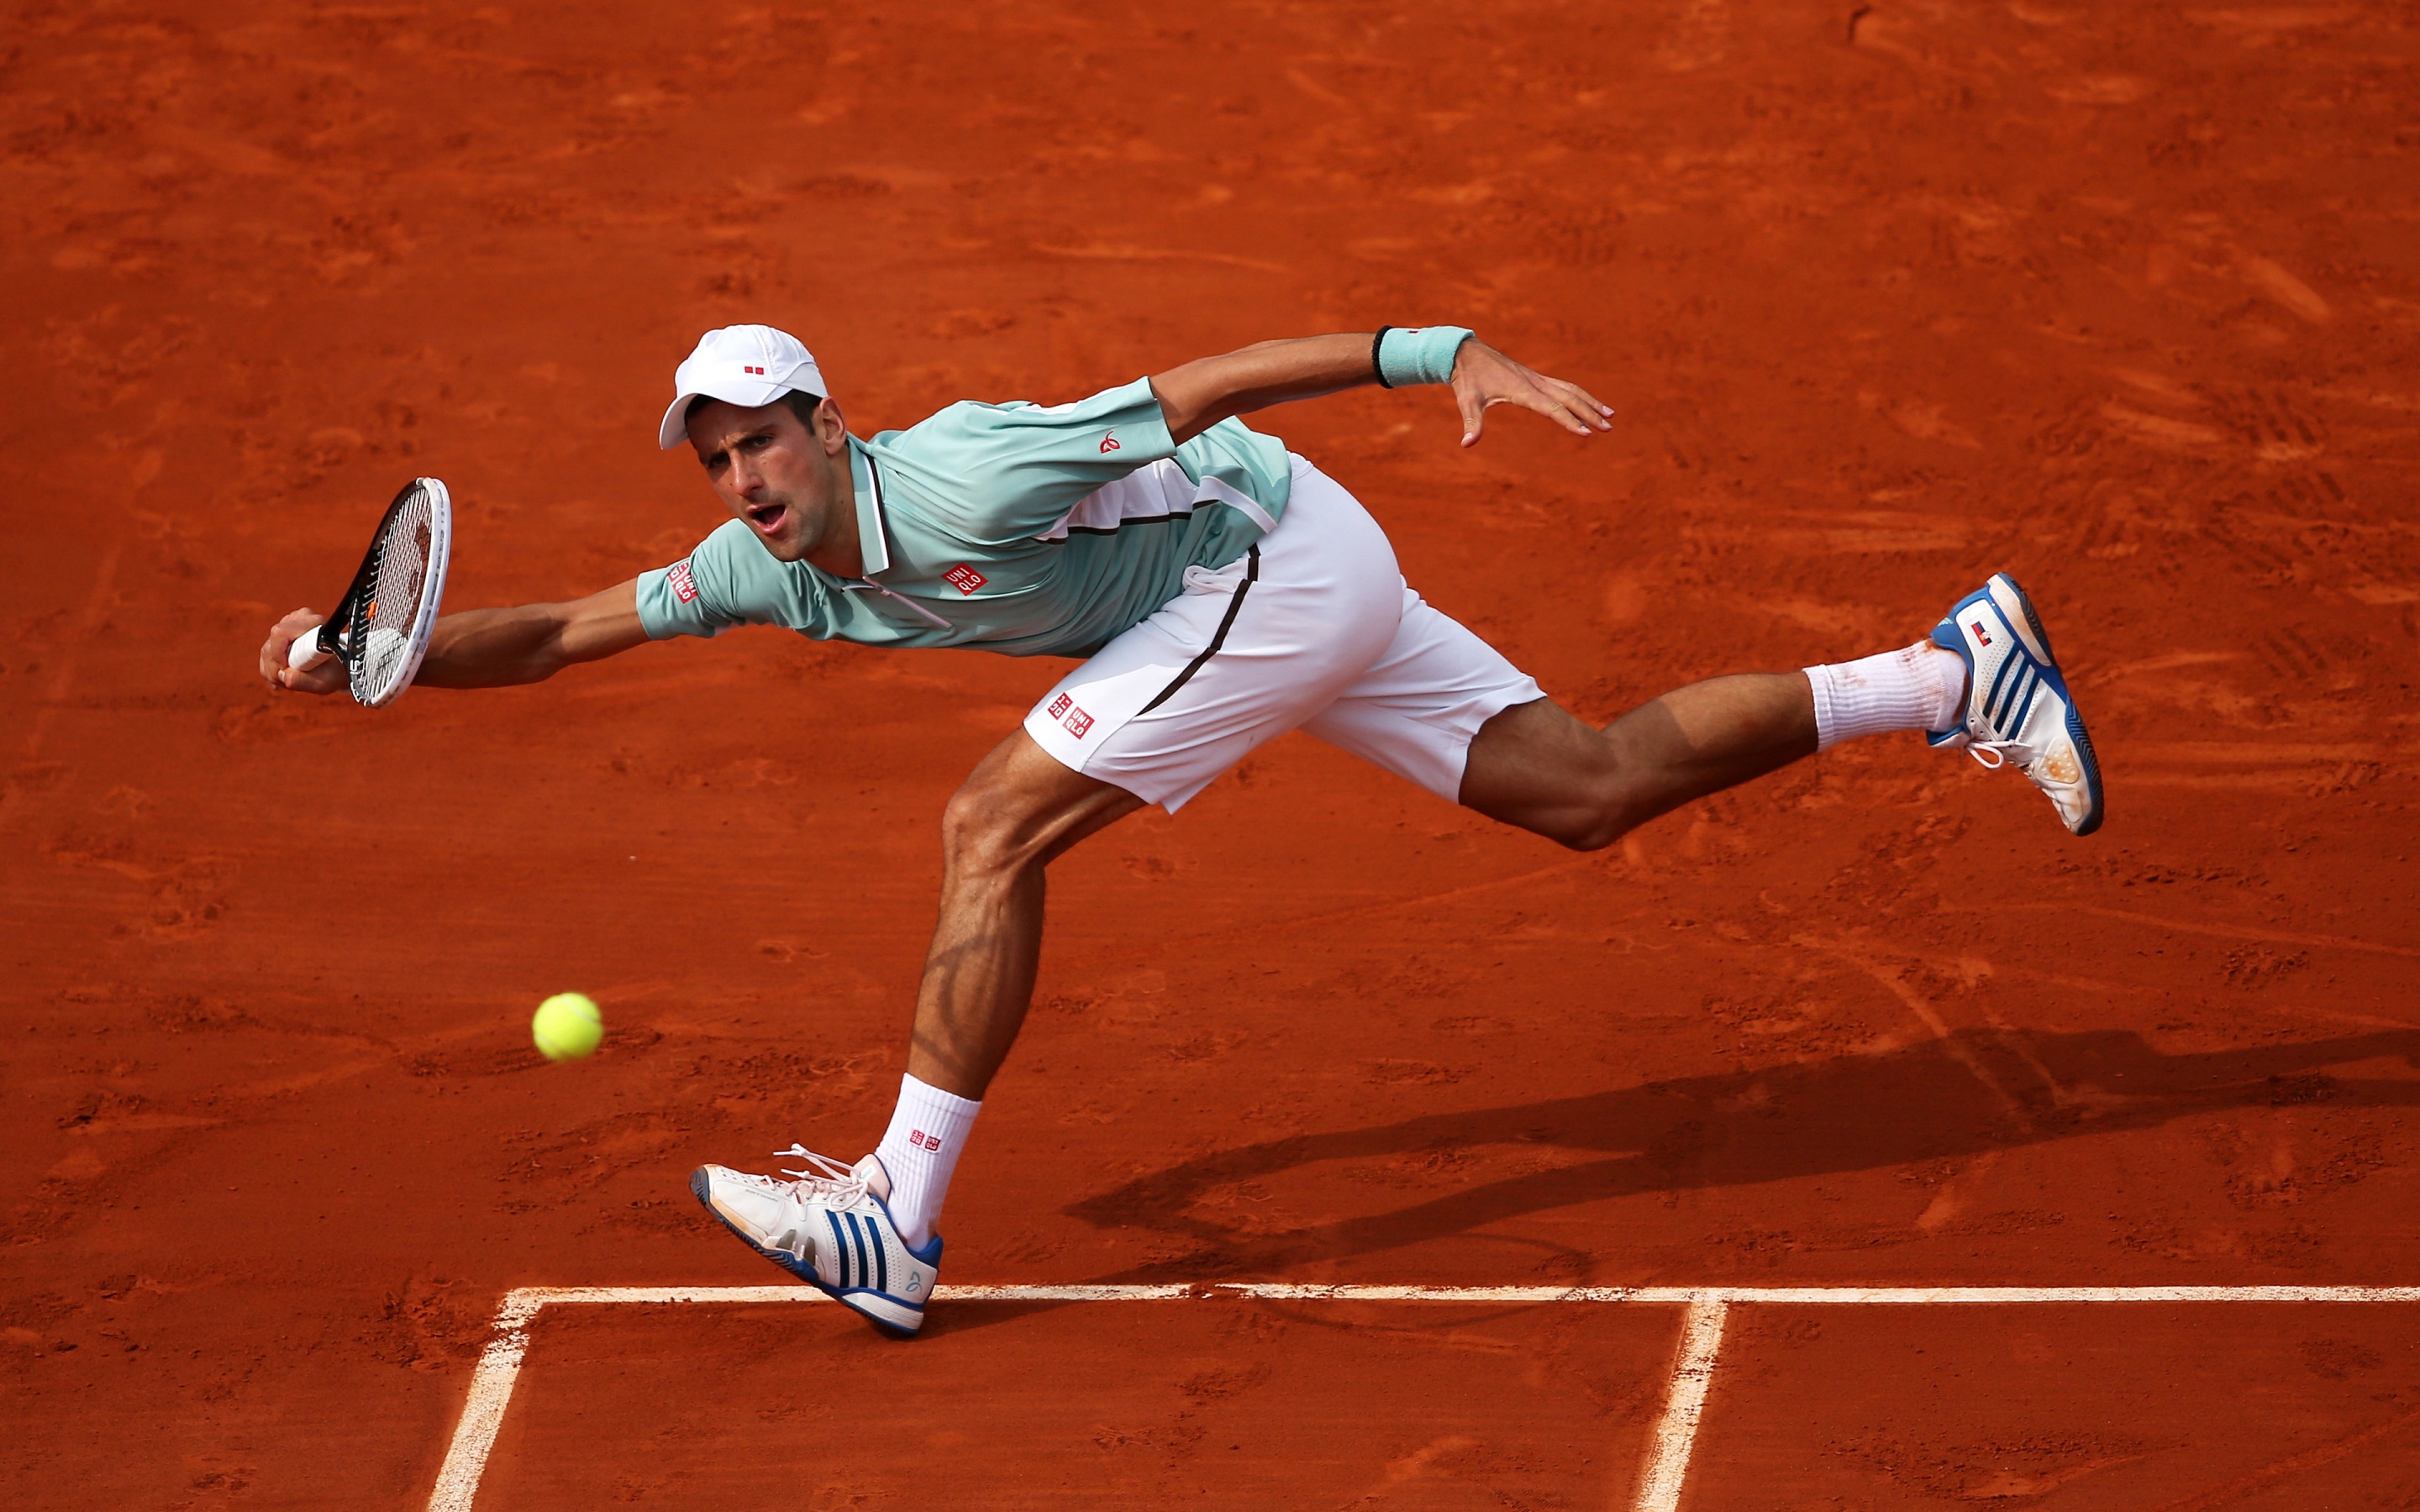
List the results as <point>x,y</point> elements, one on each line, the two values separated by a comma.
<point>921,1140</point>
<point>964,578</point>
<point>1078,721</point>
<point>1058,705</point>
<point>1981,634</point>
<point>683,585</point>
<point>1110,443</point>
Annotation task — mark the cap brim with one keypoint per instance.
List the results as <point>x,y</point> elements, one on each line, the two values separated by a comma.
<point>674,429</point>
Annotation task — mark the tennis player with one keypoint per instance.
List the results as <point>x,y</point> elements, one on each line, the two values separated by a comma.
<point>1218,591</point>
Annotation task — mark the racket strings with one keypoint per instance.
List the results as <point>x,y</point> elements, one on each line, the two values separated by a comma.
<point>381,645</point>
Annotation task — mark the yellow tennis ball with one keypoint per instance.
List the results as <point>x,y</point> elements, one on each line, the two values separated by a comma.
<point>568,1026</point>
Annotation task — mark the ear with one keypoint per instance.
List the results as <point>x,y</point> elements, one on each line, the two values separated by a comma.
<point>831,427</point>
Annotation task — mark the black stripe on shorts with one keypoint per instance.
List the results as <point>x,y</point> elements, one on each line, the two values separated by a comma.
<point>1252,576</point>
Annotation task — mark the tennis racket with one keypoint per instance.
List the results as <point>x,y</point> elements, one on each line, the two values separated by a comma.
<point>381,626</point>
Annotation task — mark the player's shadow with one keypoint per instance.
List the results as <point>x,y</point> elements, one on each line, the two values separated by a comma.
<point>1975,1091</point>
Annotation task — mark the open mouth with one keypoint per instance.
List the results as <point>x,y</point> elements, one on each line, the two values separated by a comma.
<point>767,518</point>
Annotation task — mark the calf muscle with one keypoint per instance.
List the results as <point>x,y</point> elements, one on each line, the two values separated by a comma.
<point>1018,811</point>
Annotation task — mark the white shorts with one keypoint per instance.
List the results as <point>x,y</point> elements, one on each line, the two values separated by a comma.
<point>1313,629</point>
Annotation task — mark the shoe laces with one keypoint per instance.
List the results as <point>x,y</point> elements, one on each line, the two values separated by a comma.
<point>1993,754</point>
<point>825,1180</point>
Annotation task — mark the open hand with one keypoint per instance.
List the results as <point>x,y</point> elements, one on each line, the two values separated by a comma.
<point>1483,376</point>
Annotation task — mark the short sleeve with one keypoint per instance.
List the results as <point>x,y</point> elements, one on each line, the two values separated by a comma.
<point>705,593</point>
<point>1002,472</point>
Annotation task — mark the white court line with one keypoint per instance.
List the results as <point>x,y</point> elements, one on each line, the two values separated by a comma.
<point>1803,1296</point>
<point>1685,1403</point>
<point>1693,1365</point>
<point>483,1414</point>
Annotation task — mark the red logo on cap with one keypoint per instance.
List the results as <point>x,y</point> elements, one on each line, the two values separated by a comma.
<point>964,578</point>
<point>758,371</point>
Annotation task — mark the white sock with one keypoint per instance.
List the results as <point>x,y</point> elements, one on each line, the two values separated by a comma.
<point>1921,686</point>
<point>919,1153</point>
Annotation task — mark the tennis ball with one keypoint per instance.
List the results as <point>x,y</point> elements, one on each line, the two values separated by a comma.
<point>568,1026</point>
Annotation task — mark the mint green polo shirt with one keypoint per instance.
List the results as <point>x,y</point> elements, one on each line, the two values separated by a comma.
<point>1009,527</point>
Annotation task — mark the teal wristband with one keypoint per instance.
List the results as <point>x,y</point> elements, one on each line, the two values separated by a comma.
<point>1423,355</point>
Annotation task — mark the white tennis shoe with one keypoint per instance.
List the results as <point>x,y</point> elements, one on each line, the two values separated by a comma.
<point>2018,708</point>
<point>831,1226</point>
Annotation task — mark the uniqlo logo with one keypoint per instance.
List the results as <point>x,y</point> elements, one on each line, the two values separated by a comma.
<point>964,578</point>
<point>1078,721</point>
<point>683,585</point>
<point>758,371</point>
<point>1058,705</point>
<point>921,1140</point>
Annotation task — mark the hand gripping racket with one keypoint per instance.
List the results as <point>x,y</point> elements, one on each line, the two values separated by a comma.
<point>381,625</point>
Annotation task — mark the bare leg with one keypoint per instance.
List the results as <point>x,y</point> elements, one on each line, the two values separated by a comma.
<point>1017,811</point>
<point>1536,766</point>
<point>1533,766</point>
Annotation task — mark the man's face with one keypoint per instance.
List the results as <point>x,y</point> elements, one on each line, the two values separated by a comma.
<point>783,476</point>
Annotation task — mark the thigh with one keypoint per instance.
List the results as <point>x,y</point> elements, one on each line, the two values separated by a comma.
<point>1244,653</point>
<point>1420,705</point>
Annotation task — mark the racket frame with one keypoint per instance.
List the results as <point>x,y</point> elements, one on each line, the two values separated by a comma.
<point>345,632</point>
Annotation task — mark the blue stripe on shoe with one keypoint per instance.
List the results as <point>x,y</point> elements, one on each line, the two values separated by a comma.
<point>840,1245</point>
<point>1991,695</point>
<point>2025,710</point>
<point>864,1266</point>
<point>881,1260</point>
<point>2020,695</point>
<point>2016,692</point>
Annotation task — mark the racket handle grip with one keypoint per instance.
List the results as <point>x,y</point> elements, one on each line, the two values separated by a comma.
<point>305,653</point>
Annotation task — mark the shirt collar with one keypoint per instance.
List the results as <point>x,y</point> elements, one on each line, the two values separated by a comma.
<point>871,544</point>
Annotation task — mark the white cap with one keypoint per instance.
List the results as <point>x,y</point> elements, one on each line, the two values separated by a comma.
<point>745,365</point>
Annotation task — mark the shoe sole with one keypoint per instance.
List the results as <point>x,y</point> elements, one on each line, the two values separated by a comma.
<point>859,1302</point>
<point>2009,597</point>
<point>2018,610</point>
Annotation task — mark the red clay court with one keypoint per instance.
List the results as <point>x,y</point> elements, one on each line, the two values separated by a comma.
<point>1857,1140</point>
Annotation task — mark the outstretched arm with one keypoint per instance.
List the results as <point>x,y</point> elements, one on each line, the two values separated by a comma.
<point>485,647</point>
<point>1201,393</point>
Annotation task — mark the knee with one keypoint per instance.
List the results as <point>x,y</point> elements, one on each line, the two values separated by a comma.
<point>982,834</point>
<point>1595,824</point>
<point>1535,767</point>
<point>1600,809</point>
